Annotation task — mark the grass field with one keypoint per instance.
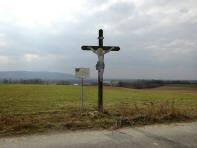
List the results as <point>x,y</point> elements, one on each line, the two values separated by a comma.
<point>37,108</point>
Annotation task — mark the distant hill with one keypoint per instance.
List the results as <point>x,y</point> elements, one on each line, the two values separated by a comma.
<point>25,75</point>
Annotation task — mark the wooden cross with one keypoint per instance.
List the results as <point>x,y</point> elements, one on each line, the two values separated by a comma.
<point>100,51</point>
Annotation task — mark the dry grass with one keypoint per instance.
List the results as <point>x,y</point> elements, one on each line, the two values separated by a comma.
<point>151,113</point>
<point>125,115</point>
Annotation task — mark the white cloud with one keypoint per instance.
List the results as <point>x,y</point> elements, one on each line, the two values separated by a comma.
<point>39,13</point>
<point>31,57</point>
<point>171,50</point>
<point>3,43</point>
<point>4,60</point>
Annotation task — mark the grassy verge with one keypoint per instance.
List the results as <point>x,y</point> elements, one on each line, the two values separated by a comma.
<point>28,109</point>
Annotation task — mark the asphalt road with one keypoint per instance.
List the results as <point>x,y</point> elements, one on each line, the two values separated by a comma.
<point>182,135</point>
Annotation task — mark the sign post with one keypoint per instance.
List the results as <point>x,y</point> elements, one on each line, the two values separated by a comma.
<point>82,106</point>
<point>100,51</point>
<point>82,73</point>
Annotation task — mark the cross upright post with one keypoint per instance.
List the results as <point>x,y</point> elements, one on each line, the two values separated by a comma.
<point>100,75</point>
<point>100,50</point>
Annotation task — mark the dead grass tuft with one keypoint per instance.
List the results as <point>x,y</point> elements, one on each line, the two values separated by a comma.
<point>149,113</point>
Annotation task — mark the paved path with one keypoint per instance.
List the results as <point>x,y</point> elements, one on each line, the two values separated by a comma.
<point>158,136</point>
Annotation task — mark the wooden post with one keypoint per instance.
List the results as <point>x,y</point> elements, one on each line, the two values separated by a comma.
<point>82,104</point>
<point>100,77</point>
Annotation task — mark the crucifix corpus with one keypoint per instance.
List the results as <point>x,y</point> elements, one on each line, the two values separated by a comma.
<point>100,50</point>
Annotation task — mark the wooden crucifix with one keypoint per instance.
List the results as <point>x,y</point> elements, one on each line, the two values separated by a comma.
<point>100,51</point>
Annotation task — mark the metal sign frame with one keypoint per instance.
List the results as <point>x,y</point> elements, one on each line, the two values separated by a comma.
<point>82,73</point>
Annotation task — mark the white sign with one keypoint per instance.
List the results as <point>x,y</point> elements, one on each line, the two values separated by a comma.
<point>82,73</point>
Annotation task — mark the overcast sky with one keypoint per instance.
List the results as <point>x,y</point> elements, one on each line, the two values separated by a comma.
<point>158,38</point>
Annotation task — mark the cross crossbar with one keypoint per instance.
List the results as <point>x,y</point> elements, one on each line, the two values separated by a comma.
<point>86,47</point>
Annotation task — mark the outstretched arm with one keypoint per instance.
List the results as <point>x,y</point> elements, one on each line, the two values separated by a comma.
<point>92,49</point>
<point>106,51</point>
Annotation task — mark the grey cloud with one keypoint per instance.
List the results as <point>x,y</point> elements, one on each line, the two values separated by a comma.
<point>150,47</point>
